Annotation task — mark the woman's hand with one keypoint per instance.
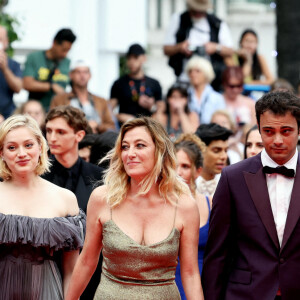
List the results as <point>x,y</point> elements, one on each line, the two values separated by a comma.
<point>88,259</point>
<point>188,248</point>
<point>245,54</point>
<point>178,106</point>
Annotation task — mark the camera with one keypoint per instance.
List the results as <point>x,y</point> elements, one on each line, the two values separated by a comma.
<point>198,50</point>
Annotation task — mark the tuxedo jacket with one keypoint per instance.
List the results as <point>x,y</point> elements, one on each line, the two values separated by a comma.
<point>243,258</point>
<point>89,178</point>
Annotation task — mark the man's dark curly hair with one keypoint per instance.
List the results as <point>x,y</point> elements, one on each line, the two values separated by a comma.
<point>279,103</point>
<point>212,132</point>
<point>73,116</point>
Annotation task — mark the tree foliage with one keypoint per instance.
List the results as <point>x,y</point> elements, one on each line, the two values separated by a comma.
<point>11,24</point>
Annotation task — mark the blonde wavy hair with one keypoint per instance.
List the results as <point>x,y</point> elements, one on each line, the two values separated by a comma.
<point>194,149</point>
<point>26,121</point>
<point>170,185</point>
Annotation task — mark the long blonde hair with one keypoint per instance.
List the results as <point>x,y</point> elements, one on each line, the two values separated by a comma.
<point>170,185</point>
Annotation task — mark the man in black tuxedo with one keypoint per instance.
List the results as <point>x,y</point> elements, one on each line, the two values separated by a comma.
<point>65,128</point>
<point>253,245</point>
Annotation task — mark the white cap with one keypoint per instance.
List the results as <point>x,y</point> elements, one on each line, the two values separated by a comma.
<point>79,63</point>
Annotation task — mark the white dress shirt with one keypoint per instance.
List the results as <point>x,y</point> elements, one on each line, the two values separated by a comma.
<point>280,190</point>
<point>207,187</point>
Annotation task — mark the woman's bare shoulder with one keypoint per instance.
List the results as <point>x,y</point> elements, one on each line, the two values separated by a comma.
<point>161,117</point>
<point>98,198</point>
<point>261,57</point>
<point>188,211</point>
<point>99,195</point>
<point>187,203</point>
<point>63,197</point>
<point>263,62</point>
<point>3,192</point>
<point>97,206</point>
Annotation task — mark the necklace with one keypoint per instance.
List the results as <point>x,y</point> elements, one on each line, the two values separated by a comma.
<point>134,93</point>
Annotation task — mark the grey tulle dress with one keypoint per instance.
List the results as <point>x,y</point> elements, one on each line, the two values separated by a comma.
<point>30,254</point>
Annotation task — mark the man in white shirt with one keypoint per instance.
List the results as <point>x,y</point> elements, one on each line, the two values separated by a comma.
<point>195,31</point>
<point>253,248</point>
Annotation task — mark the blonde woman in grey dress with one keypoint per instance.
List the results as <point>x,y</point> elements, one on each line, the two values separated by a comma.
<point>40,224</point>
<point>141,218</point>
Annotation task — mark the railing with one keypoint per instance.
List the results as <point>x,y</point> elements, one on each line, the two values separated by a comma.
<point>251,5</point>
<point>255,91</point>
<point>267,2</point>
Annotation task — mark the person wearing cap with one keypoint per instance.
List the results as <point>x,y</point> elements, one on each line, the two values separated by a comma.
<point>135,93</point>
<point>10,77</point>
<point>95,108</point>
<point>198,32</point>
<point>46,72</point>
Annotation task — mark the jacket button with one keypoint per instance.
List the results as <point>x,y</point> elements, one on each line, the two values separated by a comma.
<point>281,260</point>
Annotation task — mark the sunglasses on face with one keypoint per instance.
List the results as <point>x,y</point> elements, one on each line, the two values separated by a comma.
<point>237,86</point>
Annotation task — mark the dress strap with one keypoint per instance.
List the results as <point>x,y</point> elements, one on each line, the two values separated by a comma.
<point>175,213</point>
<point>208,204</point>
<point>110,213</point>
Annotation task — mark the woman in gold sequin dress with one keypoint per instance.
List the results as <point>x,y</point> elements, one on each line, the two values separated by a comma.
<point>141,218</point>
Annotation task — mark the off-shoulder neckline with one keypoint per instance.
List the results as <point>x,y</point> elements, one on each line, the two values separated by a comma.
<point>40,218</point>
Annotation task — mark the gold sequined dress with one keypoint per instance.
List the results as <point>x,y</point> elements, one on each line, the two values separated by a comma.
<point>132,271</point>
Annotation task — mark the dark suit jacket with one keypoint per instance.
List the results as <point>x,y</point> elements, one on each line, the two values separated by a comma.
<point>89,178</point>
<point>243,259</point>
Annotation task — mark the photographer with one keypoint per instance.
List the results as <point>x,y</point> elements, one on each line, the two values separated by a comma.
<point>197,32</point>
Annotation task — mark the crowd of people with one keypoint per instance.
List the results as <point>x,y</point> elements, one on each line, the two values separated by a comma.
<point>139,197</point>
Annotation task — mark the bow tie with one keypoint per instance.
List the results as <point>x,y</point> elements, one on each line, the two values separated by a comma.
<point>207,187</point>
<point>280,170</point>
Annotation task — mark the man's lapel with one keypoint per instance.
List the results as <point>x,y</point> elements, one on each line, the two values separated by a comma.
<point>294,208</point>
<point>82,192</point>
<point>256,183</point>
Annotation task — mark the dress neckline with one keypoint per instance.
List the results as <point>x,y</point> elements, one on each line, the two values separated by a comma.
<point>30,217</point>
<point>209,211</point>
<point>174,229</point>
